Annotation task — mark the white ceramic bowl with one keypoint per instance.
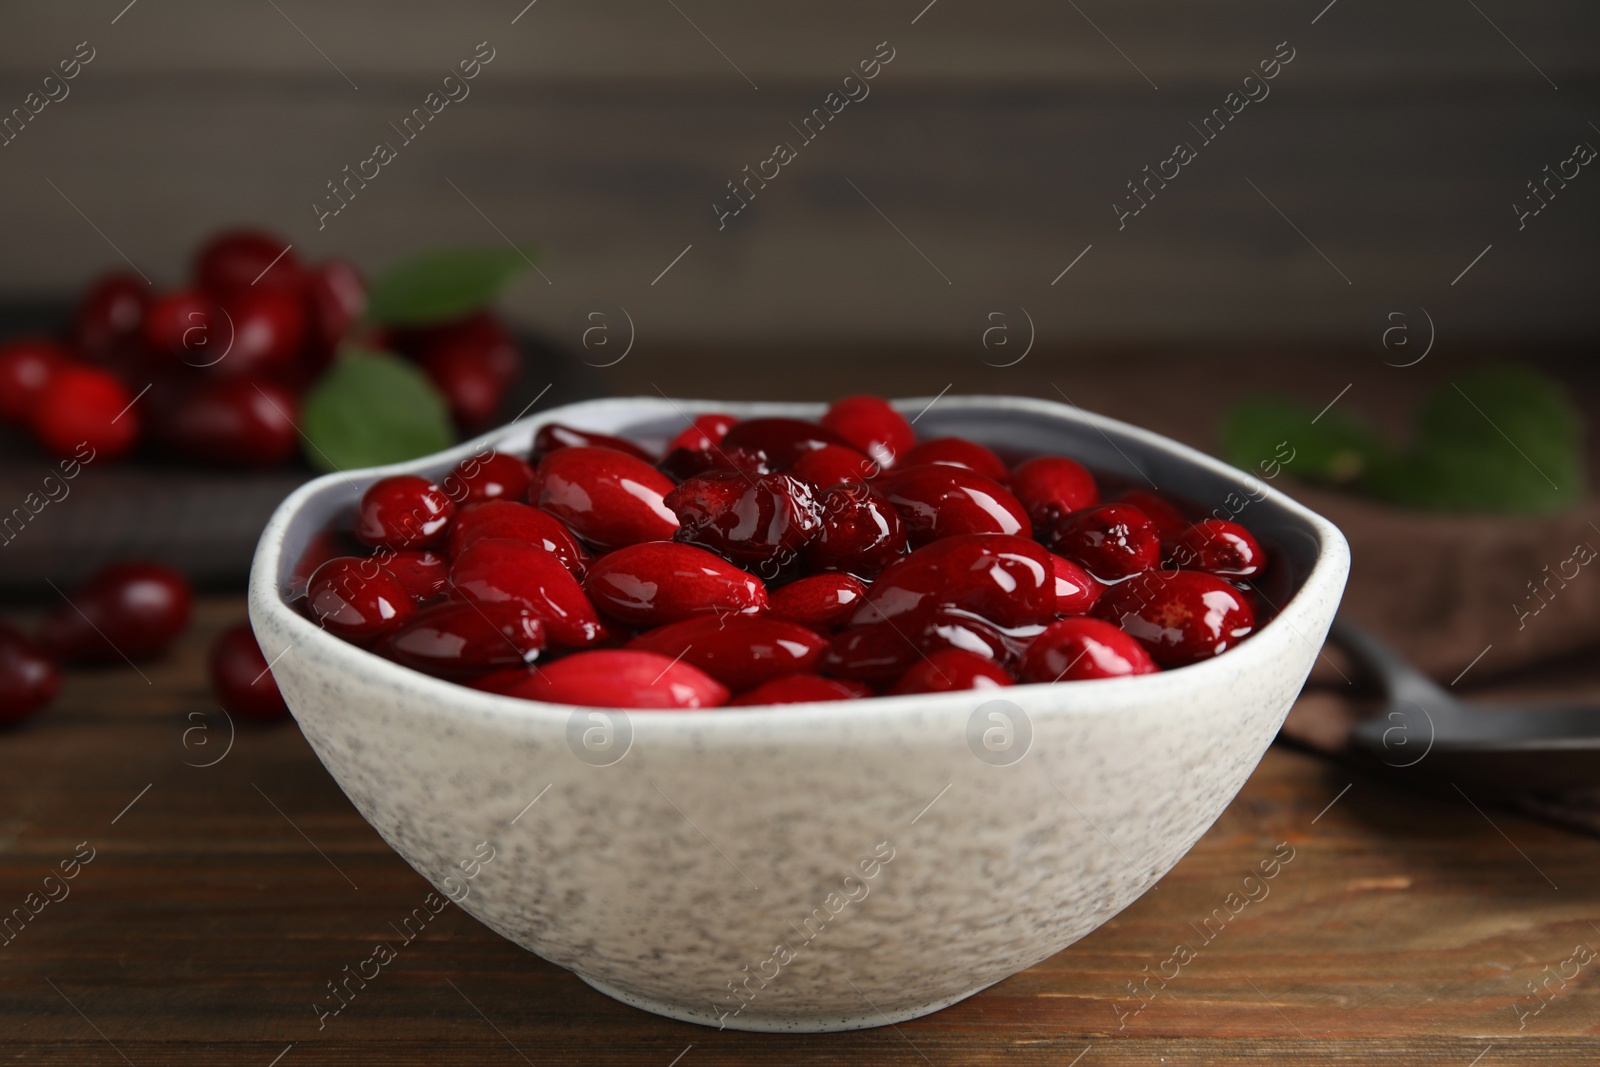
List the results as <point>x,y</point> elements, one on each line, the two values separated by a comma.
<point>807,867</point>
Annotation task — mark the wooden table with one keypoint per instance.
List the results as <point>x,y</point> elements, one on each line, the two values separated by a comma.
<point>221,899</point>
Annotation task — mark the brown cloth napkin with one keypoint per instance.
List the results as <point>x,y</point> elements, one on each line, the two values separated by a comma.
<point>1441,589</point>
<point>1499,608</point>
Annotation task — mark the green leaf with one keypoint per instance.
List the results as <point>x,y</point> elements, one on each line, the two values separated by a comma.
<point>442,285</point>
<point>1501,439</point>
<point>1336,448</point>
<point>370,409</point>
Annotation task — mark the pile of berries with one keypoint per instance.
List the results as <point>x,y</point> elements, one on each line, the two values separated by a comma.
<point>129,612</point>
<point>227,359</point>
<point>774,560</point>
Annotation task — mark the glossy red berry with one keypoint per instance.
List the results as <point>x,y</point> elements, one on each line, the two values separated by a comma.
<point>761,521</point>
<point>86,406</point>
<point>1076,588</point>
<point>831,465</point>
<point>783,440</point>
<point>955,628</point>
<point>187,327</point>
<point>473,367</point>
<point>874,655</point>
<point>608,498</point>
<point>712,492</point>
<point>861,532</point>
<point>703,434</point>
<point>1053,486</point>
<point>336,296</point>
<point>461,638</point>
<point>422,571</point>
<point>233,423</point>
<point>740,651</point>
<point>240,677</point>
<point>820,601</point>
<point>960,595</point>
<point>1079,649</point>
<point>681,464</point>
<point>357,599</point>
<point>264,331</point>
<point>403,511</point>
<point>663,581</point>
<point>1218,547</point>
<point>497,476</point>
<point>872,426</point>
<point>553,436</point>
<point>29,678</point>
<point>959,452</point>
<point>1002,578</point>
<point>235,260</point>
<point>1111,541</point>
<point>801,689</point>
<point>1168,518</point>
<point>943,500</point>
<point>519,522</point>
<point>620,678</point>
<point>107,324</point>
<point>1180,617</point>
<point>881,652</point>
<point>414,340</point>
<point>949,670</point>
<point>26,367</point>
<point>128,610</point>
<point>496,570</point>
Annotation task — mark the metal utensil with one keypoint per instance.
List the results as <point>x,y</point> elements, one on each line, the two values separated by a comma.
<point>1524,748</point>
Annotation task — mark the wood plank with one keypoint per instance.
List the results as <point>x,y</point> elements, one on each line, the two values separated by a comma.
<point>997,142</point>
<point>993,196</point>
<point>1405,928</point>
<point>1024,41</point>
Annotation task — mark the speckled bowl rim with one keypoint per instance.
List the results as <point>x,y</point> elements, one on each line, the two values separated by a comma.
<point>775,721</point>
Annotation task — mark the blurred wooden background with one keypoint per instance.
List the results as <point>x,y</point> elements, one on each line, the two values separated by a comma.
<point>996,141</point>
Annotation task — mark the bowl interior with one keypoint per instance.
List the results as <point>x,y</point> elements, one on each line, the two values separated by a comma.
<point>1125,455</point>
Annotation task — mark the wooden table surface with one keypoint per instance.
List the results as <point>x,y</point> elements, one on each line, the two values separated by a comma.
<point>221,899</point>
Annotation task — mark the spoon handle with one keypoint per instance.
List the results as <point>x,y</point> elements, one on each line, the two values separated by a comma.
<point>1399,679</point>
<point>1514,748</point>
